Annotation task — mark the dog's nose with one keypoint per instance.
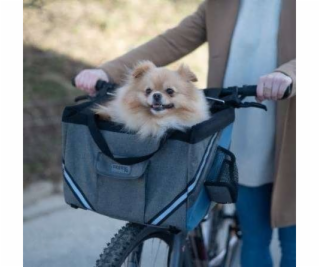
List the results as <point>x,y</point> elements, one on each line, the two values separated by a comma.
<point>157,96</point>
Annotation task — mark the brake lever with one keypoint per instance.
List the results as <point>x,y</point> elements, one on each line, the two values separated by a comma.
<point>81,98</point>
<point>236,102</point>
<point>88,97</point>
<point>252,105</point>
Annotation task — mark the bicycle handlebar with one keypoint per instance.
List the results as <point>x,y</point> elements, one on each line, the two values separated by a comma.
<point>246,90</point>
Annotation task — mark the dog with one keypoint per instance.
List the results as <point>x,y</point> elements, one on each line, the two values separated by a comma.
<point>154,100</point>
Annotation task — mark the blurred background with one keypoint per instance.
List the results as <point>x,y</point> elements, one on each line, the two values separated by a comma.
<point>62,37</point>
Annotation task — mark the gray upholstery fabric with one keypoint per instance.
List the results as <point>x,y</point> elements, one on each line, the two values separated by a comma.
<point>137,192</point>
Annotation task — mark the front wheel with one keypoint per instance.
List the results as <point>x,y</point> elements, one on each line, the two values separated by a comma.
<point>137,246</point>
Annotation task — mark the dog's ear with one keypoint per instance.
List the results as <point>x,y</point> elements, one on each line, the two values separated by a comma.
<point>141,68</point>
<point>187,74</point>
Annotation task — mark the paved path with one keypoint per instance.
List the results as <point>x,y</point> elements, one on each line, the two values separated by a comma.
<point>56,235</point>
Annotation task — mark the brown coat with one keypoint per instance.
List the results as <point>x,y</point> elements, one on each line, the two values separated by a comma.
<point>214,22</point>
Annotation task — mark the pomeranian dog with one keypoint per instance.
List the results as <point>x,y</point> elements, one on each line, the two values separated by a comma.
<point>154,100</point>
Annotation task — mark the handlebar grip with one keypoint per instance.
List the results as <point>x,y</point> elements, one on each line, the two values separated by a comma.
<point>288,91</point>
<point>100,85</point>
<point>248,90</point>
<point>251,90</point>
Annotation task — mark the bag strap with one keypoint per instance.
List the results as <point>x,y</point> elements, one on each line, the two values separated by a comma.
<point>103,145</point>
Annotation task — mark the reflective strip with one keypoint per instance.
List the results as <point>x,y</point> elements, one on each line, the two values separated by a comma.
<point>190,187</point>
<point>75,189</point>
<point>170,209</point>
<point>204,162</point>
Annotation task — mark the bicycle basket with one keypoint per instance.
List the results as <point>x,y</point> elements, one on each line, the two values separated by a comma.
<point>115,173</point>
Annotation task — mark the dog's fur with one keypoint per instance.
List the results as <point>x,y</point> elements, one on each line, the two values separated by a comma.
<point>136,107</point>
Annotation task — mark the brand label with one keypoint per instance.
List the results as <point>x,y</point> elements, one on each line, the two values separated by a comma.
<point>122,169</point>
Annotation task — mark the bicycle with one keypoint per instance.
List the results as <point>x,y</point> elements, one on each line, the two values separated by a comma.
<point>214,246</point>
<point>188,250</point>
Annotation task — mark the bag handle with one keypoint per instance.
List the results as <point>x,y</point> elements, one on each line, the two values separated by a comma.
<point>103,145</point>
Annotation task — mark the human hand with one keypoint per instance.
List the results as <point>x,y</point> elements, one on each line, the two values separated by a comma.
<point>272,86</point>
<point>86,80</point>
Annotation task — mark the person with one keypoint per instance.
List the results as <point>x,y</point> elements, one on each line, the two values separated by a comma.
<point>250,42</point>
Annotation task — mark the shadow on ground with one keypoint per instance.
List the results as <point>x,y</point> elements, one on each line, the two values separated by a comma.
<point>47,90</point>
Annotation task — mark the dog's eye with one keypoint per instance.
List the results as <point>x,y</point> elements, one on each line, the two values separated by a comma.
<point>148,91</point>
<point>170,91</point>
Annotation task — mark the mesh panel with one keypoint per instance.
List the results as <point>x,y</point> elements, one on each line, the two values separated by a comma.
<point>222,180</point>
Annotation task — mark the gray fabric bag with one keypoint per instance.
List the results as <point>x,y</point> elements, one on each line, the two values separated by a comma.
<point>114,173</point>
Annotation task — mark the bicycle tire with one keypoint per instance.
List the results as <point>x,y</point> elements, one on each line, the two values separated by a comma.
<point>126,240</point>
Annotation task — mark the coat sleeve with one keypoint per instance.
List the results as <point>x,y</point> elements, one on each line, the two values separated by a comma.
<point>163,49</point>
<point>289,69</point>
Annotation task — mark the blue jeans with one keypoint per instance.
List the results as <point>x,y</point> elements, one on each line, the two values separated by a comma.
<point>253,207</point>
